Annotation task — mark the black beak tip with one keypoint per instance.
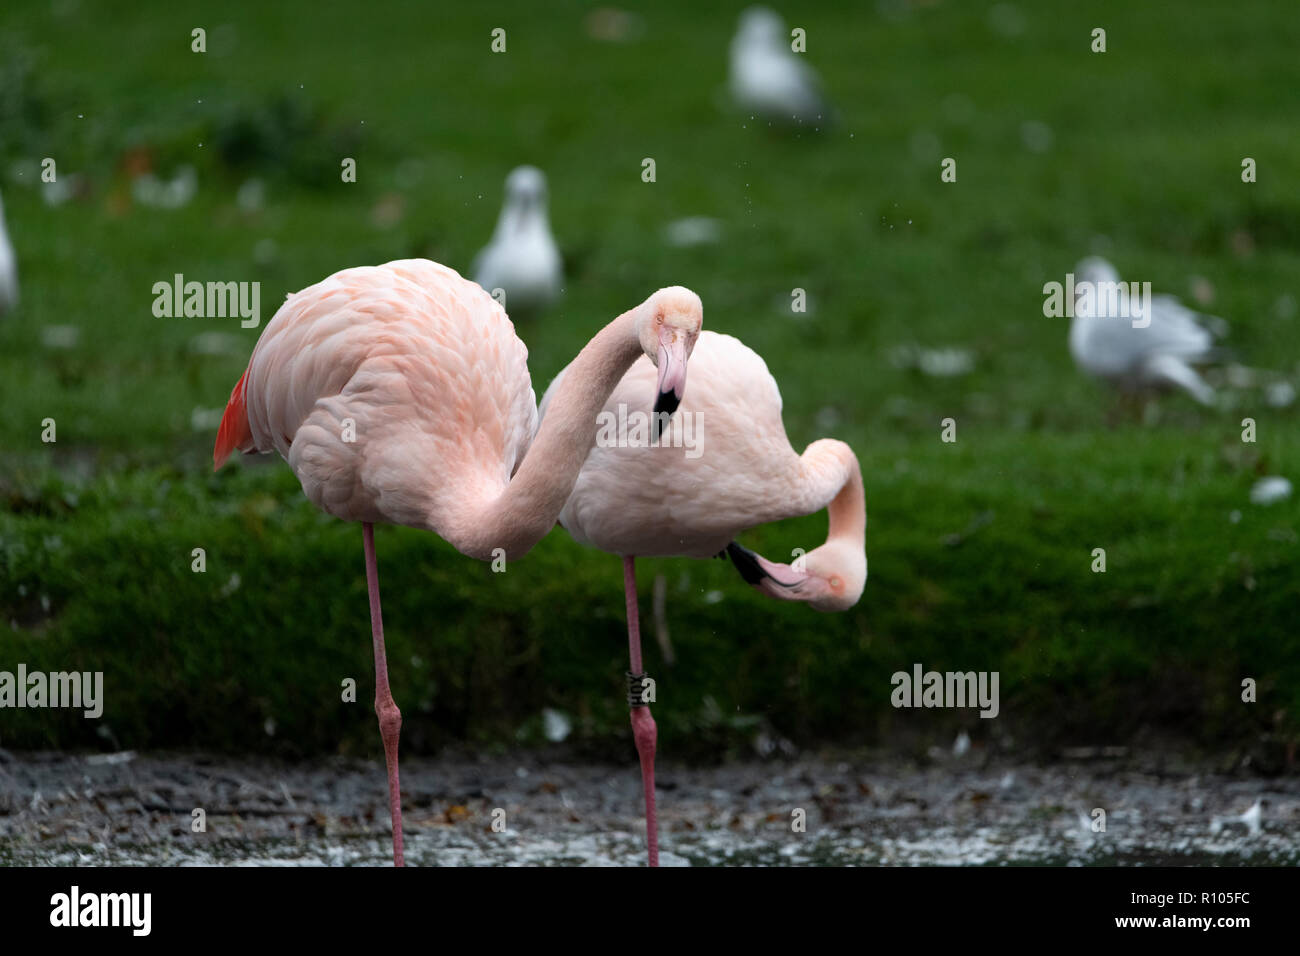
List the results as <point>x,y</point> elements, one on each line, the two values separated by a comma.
<point>746,563</point>
<point>666,403</point>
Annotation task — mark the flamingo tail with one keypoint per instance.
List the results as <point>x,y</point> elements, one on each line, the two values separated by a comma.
<point>234,432</point>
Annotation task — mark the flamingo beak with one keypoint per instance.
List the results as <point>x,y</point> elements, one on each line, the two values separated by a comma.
<point>775,580</point>
<point>672,371</point>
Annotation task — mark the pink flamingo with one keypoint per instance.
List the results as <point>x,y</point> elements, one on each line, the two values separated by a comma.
<point>400,393</point>
<point>724,466</point>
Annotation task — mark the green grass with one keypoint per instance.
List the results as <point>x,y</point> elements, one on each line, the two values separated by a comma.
<point>96,530</point>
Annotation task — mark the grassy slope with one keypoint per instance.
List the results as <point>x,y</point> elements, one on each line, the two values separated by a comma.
<point>1147,143</point>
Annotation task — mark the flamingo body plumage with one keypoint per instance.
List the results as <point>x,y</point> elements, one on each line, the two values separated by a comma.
<point>671,500</point>
<point>380,379</point>
<point>400,394</point>
<point>723,465</point>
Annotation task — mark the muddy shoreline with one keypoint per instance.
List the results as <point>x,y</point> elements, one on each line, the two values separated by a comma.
<point>128,808</point>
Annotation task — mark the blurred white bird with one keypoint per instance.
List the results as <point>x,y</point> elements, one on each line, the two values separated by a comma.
<point>1250,819</point>
<point>8,268</point>
<point>150,190</point>
<point>768,78</point>
<point>1156,356</point>
<point>1270,490</point>
<point>522,258</point>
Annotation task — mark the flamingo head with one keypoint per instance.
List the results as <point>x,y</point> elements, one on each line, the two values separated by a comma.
<point>829,578</point>
<point>667,327</point>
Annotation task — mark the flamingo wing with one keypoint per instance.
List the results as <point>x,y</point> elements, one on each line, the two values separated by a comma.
<point>393,391</point>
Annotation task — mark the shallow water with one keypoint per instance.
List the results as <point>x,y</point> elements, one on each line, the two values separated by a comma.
<point>138,810</point>
<point>986,848</point>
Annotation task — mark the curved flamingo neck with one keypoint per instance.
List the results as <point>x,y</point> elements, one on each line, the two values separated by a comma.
<point>848,509</point>
<point>530,504</point>
<point>830,478</point>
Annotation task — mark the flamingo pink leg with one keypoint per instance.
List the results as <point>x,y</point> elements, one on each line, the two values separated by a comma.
<point>390,718</point>
<point>644,731</point>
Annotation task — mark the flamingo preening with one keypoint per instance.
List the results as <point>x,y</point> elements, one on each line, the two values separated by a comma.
<point>723,466</point>
<point>400,393</point>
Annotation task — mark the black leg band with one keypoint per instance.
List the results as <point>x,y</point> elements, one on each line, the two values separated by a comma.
<point>635,688</point>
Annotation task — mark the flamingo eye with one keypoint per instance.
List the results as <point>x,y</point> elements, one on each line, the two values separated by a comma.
<point>836,583</point>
